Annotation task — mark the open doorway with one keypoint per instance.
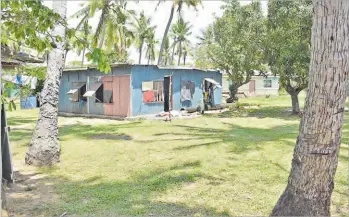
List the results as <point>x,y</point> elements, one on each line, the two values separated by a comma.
<point>208,87</point>
<point>167,93</point>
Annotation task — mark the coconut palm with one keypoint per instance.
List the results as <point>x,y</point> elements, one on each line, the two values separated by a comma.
<point>142,29</point>
<point>84,32</point>
<point>181,31</point>
<point>114,22</point>
<point>44,149</point>
<point>150,42</point>
<point>167,54</point>
<point>179,5</point>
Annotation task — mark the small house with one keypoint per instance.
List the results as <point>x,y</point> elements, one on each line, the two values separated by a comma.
<point>259,85</point>
<point>133,90</point>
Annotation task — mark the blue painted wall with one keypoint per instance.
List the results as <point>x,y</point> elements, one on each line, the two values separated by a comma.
<point>68,77</point>
<point>148,73</point>
<point>139,73</point>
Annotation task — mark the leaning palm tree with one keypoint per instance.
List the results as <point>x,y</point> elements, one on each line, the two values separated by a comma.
<point>150,42</point>
<point>44,149</point>
<point>175,4</point>
<point>142,29</point>
<point>181,32</point>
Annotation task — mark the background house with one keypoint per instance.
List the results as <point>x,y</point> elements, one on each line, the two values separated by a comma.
<point>131,90</point>
<point>260,84</point>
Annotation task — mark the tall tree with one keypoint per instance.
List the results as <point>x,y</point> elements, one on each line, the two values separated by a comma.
<point>181,31</point>
<point>150,42</point>
<point>114,23</point>
<point>44,147</point>
<point>175,4</point>
<point>142,30</point>
<point>235,42</point>
<point>167,52</point>
<point>288,44</point>
<point>315,158</point>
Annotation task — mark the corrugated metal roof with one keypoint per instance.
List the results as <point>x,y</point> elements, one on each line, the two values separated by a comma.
<point>129,65</point>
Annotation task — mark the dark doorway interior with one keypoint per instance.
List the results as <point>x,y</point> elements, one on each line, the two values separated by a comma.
<point>167,87</point>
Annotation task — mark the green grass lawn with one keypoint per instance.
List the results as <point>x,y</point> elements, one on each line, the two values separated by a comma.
<point>234,163</point>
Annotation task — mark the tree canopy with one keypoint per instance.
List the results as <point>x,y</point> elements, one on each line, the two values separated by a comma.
<point>235,42</point>
<point>288,44</point>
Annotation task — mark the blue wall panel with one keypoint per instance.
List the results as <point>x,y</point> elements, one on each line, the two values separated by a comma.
<point>68,77</point>
<point>150,73</point>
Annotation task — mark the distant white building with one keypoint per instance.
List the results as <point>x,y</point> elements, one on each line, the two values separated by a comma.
<point>259,85</point>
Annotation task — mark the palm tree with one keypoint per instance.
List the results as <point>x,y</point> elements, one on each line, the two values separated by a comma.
<point>113,29</point>
<point>150,42</point>
<point>84,31</point>
<point>142,29</point>
<point>175,4</point>
<point>180,32</point>
<point>167,55</point>
<point>44,149</point>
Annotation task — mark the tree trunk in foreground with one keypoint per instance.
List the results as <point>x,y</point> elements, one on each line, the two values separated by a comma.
<point>315,158</point>
<point>44,149</point>
<point>295,103</point>
<point>165,34</point>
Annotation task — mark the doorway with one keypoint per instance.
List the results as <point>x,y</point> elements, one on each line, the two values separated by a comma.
<point>167,93</point>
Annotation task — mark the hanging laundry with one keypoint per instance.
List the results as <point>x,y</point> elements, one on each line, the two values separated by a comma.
<point>148,96</point>
<point>187,90</point>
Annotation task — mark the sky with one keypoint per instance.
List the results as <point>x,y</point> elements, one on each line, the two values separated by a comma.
<point>199,19</point>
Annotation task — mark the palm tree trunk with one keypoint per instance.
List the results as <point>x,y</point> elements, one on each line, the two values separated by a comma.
<point>140,52</point>
<point>180,52</point>
<point>83,56</point>
<point>315,159</point>
<point>165,34</point>
<point>44,149</point>
<point>101,42</point>
<point>184,57</point>
<point>148,59</point>
<point>65,59</point>
<point>173,51</point>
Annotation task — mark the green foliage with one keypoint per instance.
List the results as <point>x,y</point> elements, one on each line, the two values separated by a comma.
<point>143,31</point>
<point>288,44</point>
<point>180,32</point>
<point>179,5</point>
<point>150,42</point>
<point>235,42</point>
<point>28,23</point>
<point>100,58</point>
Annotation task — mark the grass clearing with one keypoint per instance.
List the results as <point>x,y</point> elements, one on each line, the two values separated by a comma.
<point>233,163</point>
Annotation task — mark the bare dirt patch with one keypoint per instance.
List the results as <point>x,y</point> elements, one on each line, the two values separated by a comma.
<point>31,192</point>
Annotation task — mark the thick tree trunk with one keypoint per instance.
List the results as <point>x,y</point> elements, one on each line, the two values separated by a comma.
<point>44,149</point>
<point>315,158</point>
<point>140,53</point>
<point>295,103</point>
<point>165,34</point>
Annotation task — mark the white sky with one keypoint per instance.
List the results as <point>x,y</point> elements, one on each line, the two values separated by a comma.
<point>198,19</point>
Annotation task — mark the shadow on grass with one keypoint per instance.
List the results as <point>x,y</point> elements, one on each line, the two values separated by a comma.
<point>278,112</point>
<point>98,132</point>
<point>138,195</point>
<point>15,121</point>
<point>240,139</point>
